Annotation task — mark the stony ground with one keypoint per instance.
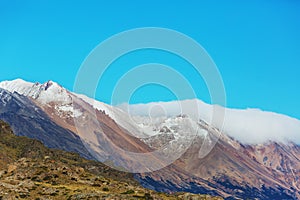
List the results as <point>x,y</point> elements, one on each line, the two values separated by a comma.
<point>29,170</point>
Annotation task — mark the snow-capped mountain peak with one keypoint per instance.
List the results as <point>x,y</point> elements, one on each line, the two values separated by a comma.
<point>43,93</point>
<point>248,126</point>
<point>20,86</point>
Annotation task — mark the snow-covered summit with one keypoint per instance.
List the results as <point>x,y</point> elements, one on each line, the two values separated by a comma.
<point>62,99</point>
<point>17,85</point>
<point>44,93</point>
<point>248,126</point>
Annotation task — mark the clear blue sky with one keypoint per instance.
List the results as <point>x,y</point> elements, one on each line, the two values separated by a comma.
<point>255,44</point>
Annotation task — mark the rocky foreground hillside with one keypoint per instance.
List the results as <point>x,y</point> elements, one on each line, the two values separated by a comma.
<point>267,169</point>
<point>29,170</point>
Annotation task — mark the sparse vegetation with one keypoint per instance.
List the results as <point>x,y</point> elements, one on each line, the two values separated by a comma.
<point>29,170</point>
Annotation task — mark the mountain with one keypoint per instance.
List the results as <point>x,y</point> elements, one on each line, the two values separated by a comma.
<point>254,154</point>
<point>29,170</point>
<point>62,108</point>
<point>231,169</point>
<point>28,119</point>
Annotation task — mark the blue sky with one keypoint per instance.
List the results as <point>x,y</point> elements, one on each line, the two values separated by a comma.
<point>255,45</point>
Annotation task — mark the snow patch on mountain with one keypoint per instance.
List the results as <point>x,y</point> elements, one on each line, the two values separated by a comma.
<point>17,85</point>
<point>123,119</point>
<point>52,92</point>
<point>44,94</point>
<point>250,126</point>
<point>5,97</point>
<point>69,109</point>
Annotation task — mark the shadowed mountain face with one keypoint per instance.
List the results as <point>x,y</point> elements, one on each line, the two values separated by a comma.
<point>232,169</point>
<point>29,120</point>
<point>29,170</point>
<point>95,126</point>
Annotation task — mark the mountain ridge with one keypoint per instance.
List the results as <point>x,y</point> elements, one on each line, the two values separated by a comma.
<point>271,126</point>
<point>29,170</point>
<point>231,168</point>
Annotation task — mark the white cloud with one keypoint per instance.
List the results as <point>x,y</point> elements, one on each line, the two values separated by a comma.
<point>250,126</point>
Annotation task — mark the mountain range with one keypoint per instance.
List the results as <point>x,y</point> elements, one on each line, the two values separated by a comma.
<point>168,146</point>
<point>29,170</point>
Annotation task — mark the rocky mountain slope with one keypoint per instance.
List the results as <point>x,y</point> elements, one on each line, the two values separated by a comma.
<point>27,119</point>
<point>233,169</point>
<point>29,170</point>
<point>61,108</point>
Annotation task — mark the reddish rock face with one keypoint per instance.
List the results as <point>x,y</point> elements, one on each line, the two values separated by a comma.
<point>232,168</point>
<point>265,171</point>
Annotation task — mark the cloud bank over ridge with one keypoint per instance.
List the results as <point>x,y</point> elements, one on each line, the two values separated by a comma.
<point>249,126</point>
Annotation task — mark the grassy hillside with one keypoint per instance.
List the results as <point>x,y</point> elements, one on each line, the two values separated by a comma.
<point>29,170</point>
